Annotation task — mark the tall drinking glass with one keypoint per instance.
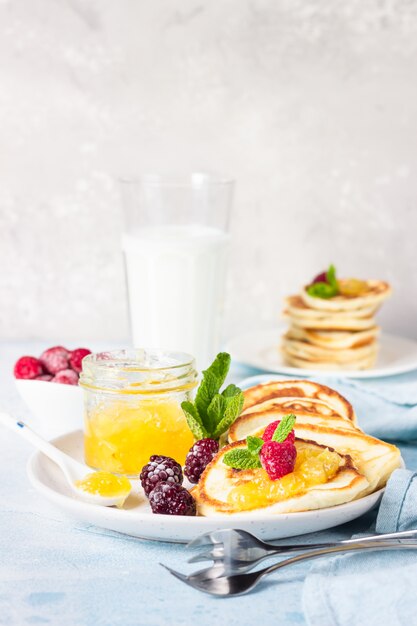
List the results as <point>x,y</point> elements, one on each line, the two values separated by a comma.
<point>175,244</point>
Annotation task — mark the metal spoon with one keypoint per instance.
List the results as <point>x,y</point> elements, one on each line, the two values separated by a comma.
<point>72,470</point>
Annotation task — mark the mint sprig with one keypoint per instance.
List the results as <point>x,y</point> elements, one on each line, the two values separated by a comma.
<point>284,428</point>
<point>245,458</point>
<point>327,289</point>
<point>213,411</point>
<point>249,457</point>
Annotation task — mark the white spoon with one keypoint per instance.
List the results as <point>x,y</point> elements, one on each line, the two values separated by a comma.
<point>73,470</point>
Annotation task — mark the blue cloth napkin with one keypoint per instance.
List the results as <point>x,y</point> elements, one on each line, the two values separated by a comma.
<point>370,588</point>
<point>386,407</point>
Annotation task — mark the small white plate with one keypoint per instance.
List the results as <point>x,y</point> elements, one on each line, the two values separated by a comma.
<point>137,520</point>
<point>260,349</point>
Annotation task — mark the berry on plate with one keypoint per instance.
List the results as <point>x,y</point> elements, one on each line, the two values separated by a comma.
<point>76,357</point>
<point>160,469</point>
<point>46,377</point>
<point>278,459</point>
<point>66,377</point>
<point>199,456</point>
<point>172,499</point>
<point>28,367</point>
<point>270,431</point>
<point>55,359</point>
<point>320,278</point>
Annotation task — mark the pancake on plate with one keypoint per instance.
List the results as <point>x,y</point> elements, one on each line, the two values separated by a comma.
<point>361,364</point>
<point>334,339</point>
<point>338,356</point>
<point>224,490</point>
<point>336,462</point>
<point>332,324</point>
<point>295,394</point>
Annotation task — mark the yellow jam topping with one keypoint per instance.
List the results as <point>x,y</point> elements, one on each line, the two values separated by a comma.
<point>352,287</point>
<point>120,438</point>
<point>313,466</point>
<point>106,485</point>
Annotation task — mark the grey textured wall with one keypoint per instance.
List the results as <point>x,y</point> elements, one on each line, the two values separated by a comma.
<point>310,104</point>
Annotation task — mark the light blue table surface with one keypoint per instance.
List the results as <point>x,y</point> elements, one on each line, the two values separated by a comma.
<point>58,571</point>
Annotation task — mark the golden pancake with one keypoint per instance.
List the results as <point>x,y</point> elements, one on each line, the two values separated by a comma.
<point>376,459</point>
<point>223,490</point>
<point>305,391</point>
<point>376,292</point>
<point>360,364</point>
<point>332,339</point>
<point>318,354</point>
<point>296,307</point>
<point>257,418</point>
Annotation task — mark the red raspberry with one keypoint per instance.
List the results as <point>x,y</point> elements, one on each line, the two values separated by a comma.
<point>269,431</point>
<point>320,278</point>
<point>278,459</point>
<point>28,367</point>
<point>55,359</point>
<point>76,357</point>
<point>66,377</point>
<point>44,377</point>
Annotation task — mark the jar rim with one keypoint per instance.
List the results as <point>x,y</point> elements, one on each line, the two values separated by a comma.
<point>130,357</point>
<point>134,370</point>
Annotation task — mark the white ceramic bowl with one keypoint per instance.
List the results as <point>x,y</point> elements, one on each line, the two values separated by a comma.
<point>56,408</point>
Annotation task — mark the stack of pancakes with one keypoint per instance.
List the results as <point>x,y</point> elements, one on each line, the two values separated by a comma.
<point>324,419</point>
<point>334,333</point>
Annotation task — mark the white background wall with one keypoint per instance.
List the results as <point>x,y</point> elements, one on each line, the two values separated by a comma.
<point>310,104</point>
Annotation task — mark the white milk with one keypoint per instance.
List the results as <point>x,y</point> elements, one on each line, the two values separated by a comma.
<point>175,277</point>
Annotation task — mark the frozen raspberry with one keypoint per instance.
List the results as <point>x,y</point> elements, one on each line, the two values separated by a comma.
<point>278,459</point>
<point>76,357</point>
<point>28,367</point>
<point>66,377</point>
<point>199,456</point>
<point>55,359</point>
<point>269,431</point>
<point>44,377</point>
<point>160,469</point>
<point>172,499</point>
<point>320,278</point>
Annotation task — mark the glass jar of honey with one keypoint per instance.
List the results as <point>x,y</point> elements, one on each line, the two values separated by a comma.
<point>132,408</point>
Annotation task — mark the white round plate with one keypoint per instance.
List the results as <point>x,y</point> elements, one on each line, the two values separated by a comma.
<point>260,349</point>
<point>137,520</point>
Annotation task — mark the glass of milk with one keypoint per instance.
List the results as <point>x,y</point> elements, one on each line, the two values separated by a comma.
<point>175,245</point>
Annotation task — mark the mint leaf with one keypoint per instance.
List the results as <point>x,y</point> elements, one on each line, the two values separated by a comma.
<point>231,390</point>
<point>213,378</point>
<point>215,412</point>
<point>220,367</point>
<point>331,277</point>
<point>233,408</point>
<point>242,459</point>
<point>254,444</point>
<point>322,290</point>
<point>284,428</point>
<point>193,420</point>
<point>327,289</point>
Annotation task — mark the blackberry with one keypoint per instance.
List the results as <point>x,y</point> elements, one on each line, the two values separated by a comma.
<point>172,499</point>
<point>160,469</point>
<point>199,456</point>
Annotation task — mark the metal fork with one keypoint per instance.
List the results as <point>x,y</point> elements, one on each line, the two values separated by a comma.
<point>238,551</point>
<point>213,582</point>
